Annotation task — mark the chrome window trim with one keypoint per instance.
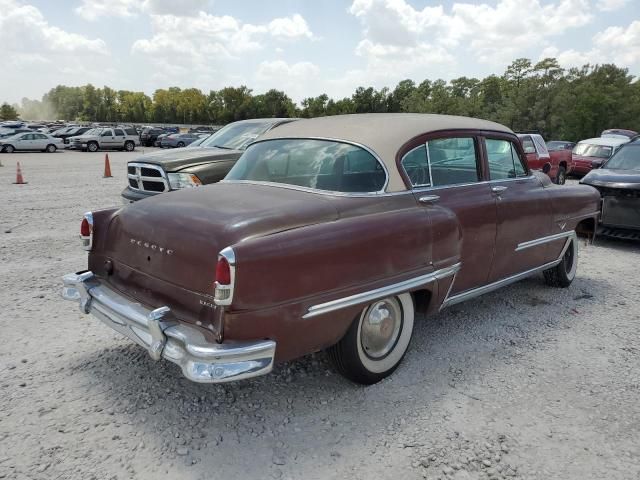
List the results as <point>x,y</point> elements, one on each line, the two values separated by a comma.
<point>383,189</point>
<point>543,240</point>
<point>138,177</point>
<point>426,149</point>
<point>463,296</point>
<point>483,182</point>
<point>381,292</point>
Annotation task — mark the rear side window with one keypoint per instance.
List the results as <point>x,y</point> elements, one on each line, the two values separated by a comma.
<point>119,133</point>
<point>131,131</point>
<point>452,161</point>
<point>504,161</point>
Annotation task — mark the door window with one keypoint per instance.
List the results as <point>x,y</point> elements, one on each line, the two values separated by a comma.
<point>527,145</point>
<point>452,161</point>
<point>503,158</point>
<point>119,132</point>
<point>416,166</point>
<point>107,133</point>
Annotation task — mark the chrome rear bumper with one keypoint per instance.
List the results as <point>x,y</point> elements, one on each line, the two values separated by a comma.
<point>163,337</point>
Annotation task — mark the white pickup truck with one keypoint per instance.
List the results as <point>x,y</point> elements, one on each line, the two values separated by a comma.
<point>118,138</point>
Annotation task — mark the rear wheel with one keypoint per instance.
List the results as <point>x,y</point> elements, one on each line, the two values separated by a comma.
<point>376,341</point>
<point>563,274</point>
<point>561,178</point>
<point>129,146</point>
<point>51,148</point>
<point>9,148</point>
<point>92,146</point>
<point>180,144</point>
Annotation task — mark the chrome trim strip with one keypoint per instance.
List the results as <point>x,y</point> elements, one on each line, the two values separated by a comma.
<point>338,140</point>
<point>382,292</point>
<point>482,182</point>
<point>461,297</point>
<point>543,240</point>
<point>159,332</point>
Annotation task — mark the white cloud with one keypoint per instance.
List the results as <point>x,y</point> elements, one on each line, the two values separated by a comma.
<point>615,44</point>
<point>290,27</point>
<point>610,5</point>
<point>94,9</point>
<point>294,79</point>
<point>492,34</point>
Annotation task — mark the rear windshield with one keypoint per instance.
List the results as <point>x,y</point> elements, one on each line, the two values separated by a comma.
<point>236,136</point>
<point>318,164</point>
<point>590,150</point>
<point>627,158</point>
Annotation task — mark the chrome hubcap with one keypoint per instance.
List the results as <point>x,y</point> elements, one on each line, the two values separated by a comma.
<point>380,328</point>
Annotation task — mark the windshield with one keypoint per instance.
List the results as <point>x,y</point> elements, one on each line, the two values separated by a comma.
<point>590,150</point>
<point>236,136</point>
<point>625,159</point>
<point>318,164</point>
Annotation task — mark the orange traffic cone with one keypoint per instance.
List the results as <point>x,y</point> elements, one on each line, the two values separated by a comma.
<point>107,167</point>
<point>19,179</point>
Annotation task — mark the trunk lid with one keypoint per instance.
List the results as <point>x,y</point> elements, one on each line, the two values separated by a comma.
<point>176,237</point>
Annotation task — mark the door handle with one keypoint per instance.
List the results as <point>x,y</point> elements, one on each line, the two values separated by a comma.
<point>498,189</point>
<point>428,199</point>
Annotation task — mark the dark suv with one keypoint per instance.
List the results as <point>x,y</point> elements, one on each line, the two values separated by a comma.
<point>162,172</point>
<point>149,135</point>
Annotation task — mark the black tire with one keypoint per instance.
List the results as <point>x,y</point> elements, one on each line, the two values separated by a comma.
<point>563,274</point>
<point>51,148</point>
<point>561,177</point>
<point>92,147</point>
<point>8,149</point>
<point>180,144</point>
<point>357,357</point>
<point>129,146</point>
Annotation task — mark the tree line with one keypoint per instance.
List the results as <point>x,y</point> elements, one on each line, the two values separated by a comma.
<point>568,104</point>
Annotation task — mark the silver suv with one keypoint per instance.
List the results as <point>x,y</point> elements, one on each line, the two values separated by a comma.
<point>118,138</point>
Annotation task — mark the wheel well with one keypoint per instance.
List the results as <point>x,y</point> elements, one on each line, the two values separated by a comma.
<point>586,228</point>
<point>422,299</point>
<point>563,164</point>
<point>546,168</point>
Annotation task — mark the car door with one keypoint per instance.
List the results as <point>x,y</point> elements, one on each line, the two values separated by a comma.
<point>40,141</point>
<point>118,138</point>
<point>447,180</point>
<point>24,142</point>
<point>523,210</point>
<point>107,139</point>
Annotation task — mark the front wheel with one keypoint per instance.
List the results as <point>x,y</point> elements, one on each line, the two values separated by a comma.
<point>9,149</point>
<point>376,341</point>
<point>561,178</point>
<point>563,274</point>
<point>180,144</point>
<point>92,146</point>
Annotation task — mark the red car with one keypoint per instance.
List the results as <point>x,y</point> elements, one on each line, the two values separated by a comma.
<point>329,233</point>
<point>593,152</point>
<point>555,163</point>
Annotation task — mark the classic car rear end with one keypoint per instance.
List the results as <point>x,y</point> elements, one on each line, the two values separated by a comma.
<point>329,234</point>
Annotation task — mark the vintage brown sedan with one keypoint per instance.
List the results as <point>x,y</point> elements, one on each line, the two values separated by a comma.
<point>329,233</point>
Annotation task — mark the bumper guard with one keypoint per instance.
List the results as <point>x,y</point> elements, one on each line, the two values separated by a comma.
<point>163,337</point>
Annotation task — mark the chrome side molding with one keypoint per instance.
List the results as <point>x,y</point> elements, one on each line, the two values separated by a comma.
<point>476,292</point>
<point>382,292</point>
<point>543,240</point>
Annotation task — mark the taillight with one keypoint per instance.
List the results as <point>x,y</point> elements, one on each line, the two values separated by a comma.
<point>225,277</point>
<point>86,231</point>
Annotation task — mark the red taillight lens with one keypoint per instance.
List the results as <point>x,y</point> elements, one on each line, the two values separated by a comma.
<point>223,272</point>
<point>85,228</point>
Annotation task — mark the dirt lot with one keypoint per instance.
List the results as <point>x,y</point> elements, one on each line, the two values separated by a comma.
<point>528,382</point>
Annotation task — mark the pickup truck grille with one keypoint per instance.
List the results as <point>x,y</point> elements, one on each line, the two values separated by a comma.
<point>147,177</point>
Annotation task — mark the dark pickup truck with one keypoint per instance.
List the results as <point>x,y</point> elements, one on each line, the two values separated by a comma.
<point>208,163</point>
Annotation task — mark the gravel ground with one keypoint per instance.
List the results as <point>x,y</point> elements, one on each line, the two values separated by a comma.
<point>525,383</point>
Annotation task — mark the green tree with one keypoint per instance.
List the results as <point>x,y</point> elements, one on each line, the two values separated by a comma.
<point>8,112</point>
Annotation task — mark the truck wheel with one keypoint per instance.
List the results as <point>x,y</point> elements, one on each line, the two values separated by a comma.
<point>376,341</point>
<point>561,178</point>
<point>51,149</point>
<point>563,274</point>
<point>92,146</point>
<point>129,146</point>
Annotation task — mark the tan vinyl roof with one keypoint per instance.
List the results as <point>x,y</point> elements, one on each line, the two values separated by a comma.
<point>383,133</point>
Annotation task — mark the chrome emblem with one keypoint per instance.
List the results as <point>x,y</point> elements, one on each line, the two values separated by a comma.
<point>143,244</point>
